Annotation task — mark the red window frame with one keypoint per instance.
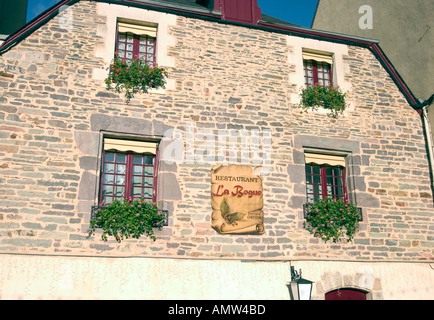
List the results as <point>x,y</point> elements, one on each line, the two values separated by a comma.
<point>319,70</point>
<point>324,181</point>
<point>125,175</point>
<point>139,42</point>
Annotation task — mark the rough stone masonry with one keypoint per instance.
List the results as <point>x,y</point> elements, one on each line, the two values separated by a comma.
<point>54,111</point>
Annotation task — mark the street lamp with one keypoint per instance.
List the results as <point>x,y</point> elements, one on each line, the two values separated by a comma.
<point>299,288</point>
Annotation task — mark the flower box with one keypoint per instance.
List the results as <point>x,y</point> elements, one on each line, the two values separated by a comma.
<point>134,76</point>
<point>327,97</point>
<point>331,219</point>
<point>128,218</point>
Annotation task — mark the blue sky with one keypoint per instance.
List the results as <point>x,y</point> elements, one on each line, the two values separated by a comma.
<point>299,12</point>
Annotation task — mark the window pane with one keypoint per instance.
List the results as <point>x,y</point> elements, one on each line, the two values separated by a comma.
<point>317,189</point>
<point>149,160</point>
<point>121,46</point>
<point>109,157</point>
<point>108,178</point>
<point>120,168</point>
<point>148,181</point>
<point>107,199</point>
<point>120,180</point>
<point>119,191</point>
<point>147,193</point>
<point>149,171</point>
<point>107,190</point>
<point>137,159</point>
<point>121,158</point>
<point>109,167</point>
<point>130,38</point>
<point>137,170</point>
<point>137,192</point>
<point>310,198</point>
<point>137,181</point>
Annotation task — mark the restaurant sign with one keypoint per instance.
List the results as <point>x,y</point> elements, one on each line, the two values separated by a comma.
<point>237,200</point>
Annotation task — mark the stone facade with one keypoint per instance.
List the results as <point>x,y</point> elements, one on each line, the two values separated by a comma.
<point>55,110</point>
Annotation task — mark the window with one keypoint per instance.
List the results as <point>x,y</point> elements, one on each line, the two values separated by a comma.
<point>137,41</point>
<point>317,69</point>
<point>129,169</point>
<point>325,177</point>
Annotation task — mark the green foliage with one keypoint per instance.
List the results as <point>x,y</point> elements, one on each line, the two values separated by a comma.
<point>130,218</point>
<point>134,76</point>
<point>332,219</point>
<point>323,96</point>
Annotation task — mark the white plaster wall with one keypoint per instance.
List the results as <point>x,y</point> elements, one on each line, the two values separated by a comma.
<point>63,277</point>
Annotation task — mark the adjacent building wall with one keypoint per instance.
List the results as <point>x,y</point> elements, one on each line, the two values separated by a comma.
<point>404,29</point>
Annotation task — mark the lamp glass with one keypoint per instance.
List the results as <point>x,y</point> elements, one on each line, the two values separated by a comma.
<point>304,290</point>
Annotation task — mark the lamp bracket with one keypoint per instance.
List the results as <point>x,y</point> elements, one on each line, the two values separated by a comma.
<point>295,275</point>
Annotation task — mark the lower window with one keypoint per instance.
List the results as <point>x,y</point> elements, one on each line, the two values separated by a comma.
<point>129,170</point>
<point>325,177</point>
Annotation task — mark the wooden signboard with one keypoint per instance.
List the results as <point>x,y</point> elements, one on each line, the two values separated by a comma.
<point>237,200</point>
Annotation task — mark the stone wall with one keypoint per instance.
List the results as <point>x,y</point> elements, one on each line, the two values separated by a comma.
<point>54,111</point>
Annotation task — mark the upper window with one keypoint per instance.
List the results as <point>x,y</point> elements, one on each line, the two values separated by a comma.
<point>325,177</point>
<point>136,42</point>
<point>129,170</point>
<point>317,69</point>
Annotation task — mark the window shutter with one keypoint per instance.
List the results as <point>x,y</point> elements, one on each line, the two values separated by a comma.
<point>130,145</point>
<point>137,29</point>
<point>322,159</point>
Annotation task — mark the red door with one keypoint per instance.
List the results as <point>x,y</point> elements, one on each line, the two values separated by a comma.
<point>345,294</point>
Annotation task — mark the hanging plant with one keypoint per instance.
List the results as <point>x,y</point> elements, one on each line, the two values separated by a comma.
<point>331,219</point>
<point>129,218</point>
<point>134,76</point>
<point>328,97</point>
